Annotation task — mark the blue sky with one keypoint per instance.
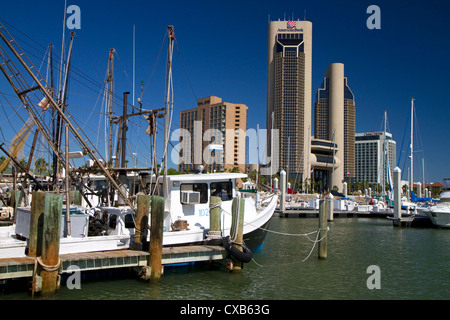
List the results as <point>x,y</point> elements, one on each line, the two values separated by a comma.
<point>222,51</point>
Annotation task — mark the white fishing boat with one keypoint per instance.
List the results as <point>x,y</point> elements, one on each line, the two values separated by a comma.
<point>440,213</point>
<point>187,204</point>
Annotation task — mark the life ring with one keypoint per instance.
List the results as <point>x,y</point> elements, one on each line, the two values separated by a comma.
<point>245,256</point>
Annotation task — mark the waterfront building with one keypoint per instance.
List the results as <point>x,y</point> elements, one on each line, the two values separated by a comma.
<point>217,137</point>
<point>373,151</point>
<point>334,121</point>
<point>289,77</point>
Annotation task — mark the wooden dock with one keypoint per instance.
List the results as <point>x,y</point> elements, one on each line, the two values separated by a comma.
<point>13,268</point>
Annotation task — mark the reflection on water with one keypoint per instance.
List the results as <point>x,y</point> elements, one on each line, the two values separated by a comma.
<point>414,264</point>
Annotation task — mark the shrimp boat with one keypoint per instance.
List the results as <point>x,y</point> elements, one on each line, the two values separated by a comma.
<point>96,225</point>
<point>186,217</point>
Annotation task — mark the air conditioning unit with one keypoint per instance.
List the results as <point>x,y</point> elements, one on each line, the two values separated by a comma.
<point>190,197</point>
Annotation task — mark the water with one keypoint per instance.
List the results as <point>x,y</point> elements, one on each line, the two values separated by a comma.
<point>414,264</point>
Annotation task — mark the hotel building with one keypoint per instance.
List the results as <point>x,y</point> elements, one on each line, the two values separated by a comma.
<point>371,165</point>
<point>289,79</point>
<point>213,123</point>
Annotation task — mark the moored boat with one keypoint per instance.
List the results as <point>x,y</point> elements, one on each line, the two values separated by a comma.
<point>440,213</point>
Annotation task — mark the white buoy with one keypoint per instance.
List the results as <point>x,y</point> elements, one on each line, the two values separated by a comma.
<point>283,190</point>
<point>330,200</point>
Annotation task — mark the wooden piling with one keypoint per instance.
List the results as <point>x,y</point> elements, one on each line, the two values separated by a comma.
<point>50,249</point>
<point>237,230</point>
<point>142,215</point>
<point>36,224</point>
<point>156,237</point>
<point>323,212</point>
<point>214,217</point>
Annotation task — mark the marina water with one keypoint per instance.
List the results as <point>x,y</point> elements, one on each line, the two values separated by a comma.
<point>413,263</point>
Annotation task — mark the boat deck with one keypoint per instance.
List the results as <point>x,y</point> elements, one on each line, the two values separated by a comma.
<point>11,268</point>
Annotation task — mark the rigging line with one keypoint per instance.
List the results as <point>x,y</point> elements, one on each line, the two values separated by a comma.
<point>184,69</point>
<point>74,71</point>
<point>123,67</point>
<point>157,59</point>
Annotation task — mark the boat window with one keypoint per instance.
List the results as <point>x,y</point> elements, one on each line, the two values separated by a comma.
<point>202,188</point>
<point>129,221</point>
<point>222,190</point>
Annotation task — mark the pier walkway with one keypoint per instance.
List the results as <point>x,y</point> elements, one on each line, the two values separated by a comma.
<point>12,268</point>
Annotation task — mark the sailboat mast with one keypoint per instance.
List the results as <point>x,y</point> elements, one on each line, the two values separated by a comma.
<point>411,146</point>
<point>383,163</point>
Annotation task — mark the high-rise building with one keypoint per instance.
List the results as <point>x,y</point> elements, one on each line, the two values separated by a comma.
<point>334,121</point>
<point>213,123</point>
<point>289,79</point>
<point>375,153</point>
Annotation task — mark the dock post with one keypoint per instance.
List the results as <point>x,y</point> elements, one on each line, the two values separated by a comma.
<point>330,213</point>
<point>237,229</point>
<point>283,190</point>
<point>50,250</point>
<point>397,194</point>
<point>36,224</point>
<point>323,225</point>
<point>156,237</point>
<point>214,219</point>
<point>143,212</point>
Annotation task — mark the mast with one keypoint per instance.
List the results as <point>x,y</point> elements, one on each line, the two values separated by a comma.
<point>22,89</point>
<point>169,99</point>
<point>411,146</point>
<point>110,111</point>
<point>383,162</point>
<point>62,101</point>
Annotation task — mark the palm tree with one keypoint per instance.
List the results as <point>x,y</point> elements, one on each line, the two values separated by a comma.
<point>40,165</point>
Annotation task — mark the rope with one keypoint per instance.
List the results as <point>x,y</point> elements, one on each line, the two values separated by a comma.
<point>48,268</point>
<point>314,241</point>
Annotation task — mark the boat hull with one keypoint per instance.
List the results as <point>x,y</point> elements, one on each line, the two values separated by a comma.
<point>440,217</point>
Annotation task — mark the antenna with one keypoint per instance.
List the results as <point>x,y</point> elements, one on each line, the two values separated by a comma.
<point>305,15</point>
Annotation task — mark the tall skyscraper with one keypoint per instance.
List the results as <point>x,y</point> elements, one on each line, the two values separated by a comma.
<point>289,79</point>
<point>334,120</point>
<point>218,123</point>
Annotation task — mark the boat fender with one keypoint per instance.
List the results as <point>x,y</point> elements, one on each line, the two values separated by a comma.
<point>245,256</point>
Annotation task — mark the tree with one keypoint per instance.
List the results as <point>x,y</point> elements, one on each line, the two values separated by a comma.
<point>40,165</point>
